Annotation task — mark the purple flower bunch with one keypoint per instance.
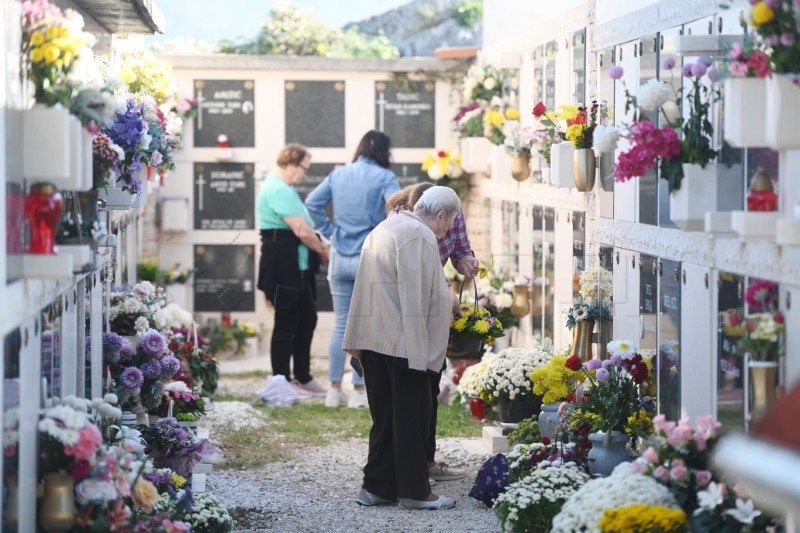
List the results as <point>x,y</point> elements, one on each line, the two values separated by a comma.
<point>127,131</point>
<point>111,346</point>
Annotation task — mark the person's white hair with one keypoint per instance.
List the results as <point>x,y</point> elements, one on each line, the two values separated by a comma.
<point>437,198</point>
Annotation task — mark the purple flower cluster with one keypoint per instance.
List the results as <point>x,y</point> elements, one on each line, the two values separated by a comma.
<point>127,350</point>
<point>151,369</point>
<point>111,344</point>
<point>153,343</point>
<point>170,366</point>
<point>131,378</point>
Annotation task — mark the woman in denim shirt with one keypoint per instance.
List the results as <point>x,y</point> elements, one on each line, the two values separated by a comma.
<point>358,192</point>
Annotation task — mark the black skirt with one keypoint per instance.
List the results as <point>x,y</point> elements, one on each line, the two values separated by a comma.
<point>279,274</point>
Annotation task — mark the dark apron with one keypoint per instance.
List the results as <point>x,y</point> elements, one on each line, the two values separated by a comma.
<point>279,275</point>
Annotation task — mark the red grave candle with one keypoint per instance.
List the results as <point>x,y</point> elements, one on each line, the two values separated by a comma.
<point>43,209</point>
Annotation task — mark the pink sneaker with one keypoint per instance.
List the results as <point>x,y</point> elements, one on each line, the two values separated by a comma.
<point>312,387</point>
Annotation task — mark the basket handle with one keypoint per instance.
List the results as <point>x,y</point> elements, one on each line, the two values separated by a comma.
<point>461,292</point>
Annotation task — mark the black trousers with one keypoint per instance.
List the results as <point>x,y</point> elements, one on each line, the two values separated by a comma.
<point>292,334</point>
<point>400,405</point>
<point>435,378</point>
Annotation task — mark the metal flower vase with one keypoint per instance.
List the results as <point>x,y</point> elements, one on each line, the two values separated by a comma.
<point>585,169</point>
<point>11,514</point>
<point>607,452</point>
<point>521,303</point>
<point>605,334</point>
<point>521,168</point>
<point>582,339</point>
<point>763,381</point>
<point>57,512</point>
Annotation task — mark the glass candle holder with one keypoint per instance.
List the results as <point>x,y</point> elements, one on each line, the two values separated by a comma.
<point>43,207</point>
<point>762,196</point>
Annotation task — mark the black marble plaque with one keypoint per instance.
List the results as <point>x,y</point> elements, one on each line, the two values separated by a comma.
<point>648,299</point>
<point>407,113</point>
<point>537,249</point>
<point>550,76</point>
<point>579,240</point>
<point>410,174</point>
<point>669,335</point>
<point>223,196</point>
<point>224,277</point>
<point>579,68</point>
<point>648,184</point>
<point>315,113</point>
<point>227,107</point>
<point>730,369</point>
<point>549,271</point>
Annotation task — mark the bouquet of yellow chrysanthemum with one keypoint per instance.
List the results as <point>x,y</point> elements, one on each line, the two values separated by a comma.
<point>471,327</point>
<point>554,381</point>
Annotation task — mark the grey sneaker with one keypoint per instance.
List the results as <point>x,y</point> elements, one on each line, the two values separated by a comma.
<point>442,472</point>
<point>442,502</point>
<point>368,499</point>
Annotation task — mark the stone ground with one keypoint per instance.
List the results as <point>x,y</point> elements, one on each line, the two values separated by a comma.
<point>317,493</point>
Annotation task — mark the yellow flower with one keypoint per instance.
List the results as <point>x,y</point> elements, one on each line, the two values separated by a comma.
<point>459,324</point>
<point>481,327</point>
<point>37,38</point>
<point>569,112</point>
<point>512,113</point>
<point>762,14</point>
<point>443,162</point>
<point>36,55</point>
<point>249,330</point>
<point>575,133</point>
<point>127,75</point>
<point>495,118</point>
<point>426,164</point>
<point>50,53</point>
<point>178,480</point>
<point>53,32</point>
<point>67,57</point>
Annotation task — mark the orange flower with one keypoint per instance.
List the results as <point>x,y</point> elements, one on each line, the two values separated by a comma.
<point>145,495</point>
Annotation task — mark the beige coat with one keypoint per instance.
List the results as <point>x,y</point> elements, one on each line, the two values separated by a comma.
<point>401,304</point>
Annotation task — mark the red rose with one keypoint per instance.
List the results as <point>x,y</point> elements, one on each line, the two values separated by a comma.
<point>636,359</point>
<point>639,373</point>
<point>546,440</point>
<point>574,363</point>
<point>778,318</point>
<point>80,470</point>
<point>441,153</point>
<point>539,109</point>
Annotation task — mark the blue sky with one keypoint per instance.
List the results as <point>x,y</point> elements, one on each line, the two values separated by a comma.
<point>212,20</point>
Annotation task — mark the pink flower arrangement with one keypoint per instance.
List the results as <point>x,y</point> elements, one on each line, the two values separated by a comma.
<point>648,143</point>
<point>761,295</point>
<point>742,65</point>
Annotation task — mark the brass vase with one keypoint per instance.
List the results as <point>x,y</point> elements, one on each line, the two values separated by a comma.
<point>605,334</point>
<point>582,339</point>
<point>521,168</point>
<point>763,381</point>
<point>11,514</point>
<point>584,169</point>
<point>57,513</point>
<point>521,303</point>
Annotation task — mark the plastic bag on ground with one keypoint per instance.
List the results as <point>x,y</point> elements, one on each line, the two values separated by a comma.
<point>278,391</point>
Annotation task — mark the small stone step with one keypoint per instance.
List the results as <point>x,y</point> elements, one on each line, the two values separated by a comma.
<point>494,440</point>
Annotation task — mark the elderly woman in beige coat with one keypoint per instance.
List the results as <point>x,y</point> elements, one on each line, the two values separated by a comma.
<point>398,327</point>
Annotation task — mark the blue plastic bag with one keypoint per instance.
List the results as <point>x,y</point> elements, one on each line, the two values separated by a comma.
<point>491,481</point>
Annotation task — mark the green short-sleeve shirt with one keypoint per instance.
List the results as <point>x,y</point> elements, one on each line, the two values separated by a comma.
<point>276,201</point>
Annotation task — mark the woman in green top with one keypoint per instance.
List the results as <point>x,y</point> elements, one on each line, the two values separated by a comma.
<point>290,256</point>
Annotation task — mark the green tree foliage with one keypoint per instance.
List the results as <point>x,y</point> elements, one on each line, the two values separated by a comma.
<point>468,13</point>
<point>294,31</point>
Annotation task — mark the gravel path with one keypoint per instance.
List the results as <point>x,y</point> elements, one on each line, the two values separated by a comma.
<point>317,493</point>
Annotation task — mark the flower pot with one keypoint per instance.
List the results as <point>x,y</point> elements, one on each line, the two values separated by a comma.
<point>188,424</point>
<point>47,130</point>
<point>546,175</point>
<point>763,381</point>
<point>605,456</point>
<point>465,344</point>
<point>500,343</point>
<point>549,419</point>
<point>584,169</point>
<point>697,195</point>
<point>783,112</point>
<point>57,512</point>
<point>517,410</point>
<point>604,336</point>
<point>521,168</point>
<point>521,303</point>
<point>744,122</point>
<point>582,339</point>
<point>501,164</point>
<point>605,166</point>
<point>477,408</point>
<point>562,164</point>
<point>475,152</point>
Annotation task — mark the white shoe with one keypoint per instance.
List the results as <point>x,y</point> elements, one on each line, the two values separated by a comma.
<point>358,399</point>
<point>335,398</point>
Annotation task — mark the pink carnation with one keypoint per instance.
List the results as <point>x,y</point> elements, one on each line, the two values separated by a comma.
<point>89,439</point>
<point>703,477</point>
<point>651,455</point>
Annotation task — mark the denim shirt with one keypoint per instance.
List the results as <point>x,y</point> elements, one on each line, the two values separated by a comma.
<point>359,192</point>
